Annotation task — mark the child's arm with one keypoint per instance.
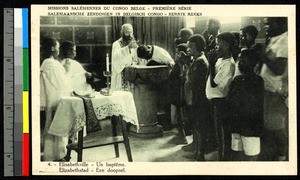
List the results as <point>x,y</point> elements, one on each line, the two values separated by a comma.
<point>212,59</point>
<point>224,76</point>
<point>212,75</point>
<point>275,63</point>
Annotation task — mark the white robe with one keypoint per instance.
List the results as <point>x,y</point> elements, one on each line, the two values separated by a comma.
<point>121,58</point>
<point>160,55</point>
<point>53,87</point>
<point>76,77</point>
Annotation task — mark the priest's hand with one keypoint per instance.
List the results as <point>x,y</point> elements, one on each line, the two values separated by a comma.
<point>87,74</point>
<point>133,44</point>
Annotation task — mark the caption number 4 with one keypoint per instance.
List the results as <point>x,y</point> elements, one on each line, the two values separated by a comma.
<point>9,156</point>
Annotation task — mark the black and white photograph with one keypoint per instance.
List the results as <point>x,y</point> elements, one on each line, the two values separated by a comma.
<point>122,89</point>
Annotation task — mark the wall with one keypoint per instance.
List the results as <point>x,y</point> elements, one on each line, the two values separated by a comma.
<point>92,36</point>
<point>201,24</point>
<point>258,22</point>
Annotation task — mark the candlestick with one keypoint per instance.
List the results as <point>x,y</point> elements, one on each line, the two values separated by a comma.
<point>107,62</point>
<point>107,92</point>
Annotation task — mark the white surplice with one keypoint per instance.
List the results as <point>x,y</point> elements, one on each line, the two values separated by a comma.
<point>53,87</point>
<point>122,56</point>
<point>160,55</point>
<point>76,77</point>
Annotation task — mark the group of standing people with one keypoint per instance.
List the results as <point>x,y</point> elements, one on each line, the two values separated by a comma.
<point>231,93</point>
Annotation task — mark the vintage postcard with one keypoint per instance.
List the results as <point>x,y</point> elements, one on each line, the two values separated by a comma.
<point>163,89</point>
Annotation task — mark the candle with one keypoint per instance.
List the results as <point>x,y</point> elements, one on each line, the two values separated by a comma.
<point>107,62</point>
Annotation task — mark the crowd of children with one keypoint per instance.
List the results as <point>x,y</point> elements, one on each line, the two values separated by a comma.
<point>231,93</point>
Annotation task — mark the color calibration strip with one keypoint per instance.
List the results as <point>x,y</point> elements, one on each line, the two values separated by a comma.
<point>25,150</point>
<point>16,105</point>
<point>21,124</point>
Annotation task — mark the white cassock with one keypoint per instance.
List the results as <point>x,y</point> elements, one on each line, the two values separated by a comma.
<point>122,56</point>
<point>53,87</point>
<point>160,55</point>
<point>76,77</point>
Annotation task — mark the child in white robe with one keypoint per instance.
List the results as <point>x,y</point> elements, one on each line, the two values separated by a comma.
<point>52,77</point>
<point>75,73</point>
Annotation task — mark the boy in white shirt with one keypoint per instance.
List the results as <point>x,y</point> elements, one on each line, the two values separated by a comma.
<point>221,74</point>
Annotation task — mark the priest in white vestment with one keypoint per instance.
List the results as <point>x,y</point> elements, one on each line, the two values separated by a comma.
<point>123,55</point>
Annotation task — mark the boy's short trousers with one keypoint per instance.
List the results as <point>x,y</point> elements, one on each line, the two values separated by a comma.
<point>250,145</point>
